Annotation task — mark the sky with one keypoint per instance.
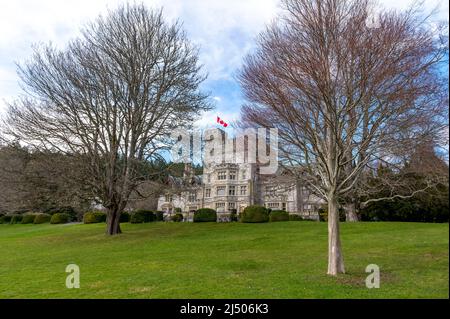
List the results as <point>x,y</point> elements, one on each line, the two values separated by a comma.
<point>225,31</point>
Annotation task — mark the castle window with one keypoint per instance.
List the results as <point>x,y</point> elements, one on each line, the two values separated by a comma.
<point>273,205</point>
<point>244,175</point>
<point>220,205</point>
<point>232,175</point>
<point>222,175</point>
<point>243,190</point>
<point>192,196</point>
<point>169,198</point>
<point>208,192</point>
<point>208,178</point>
<point>220,190</point>
<point>231,206</point>
<point>231,190</point>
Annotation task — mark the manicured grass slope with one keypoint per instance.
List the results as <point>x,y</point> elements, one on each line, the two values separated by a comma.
<point>222,260</point>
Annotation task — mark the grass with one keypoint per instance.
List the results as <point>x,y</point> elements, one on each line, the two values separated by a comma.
<point>222,260</point>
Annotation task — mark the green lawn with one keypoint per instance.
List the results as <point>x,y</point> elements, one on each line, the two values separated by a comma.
<point>222,260</point>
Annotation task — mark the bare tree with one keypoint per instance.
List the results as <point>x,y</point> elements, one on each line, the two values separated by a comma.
<point>402,182</point>
<point>344,94</point>
<point>38,181</point>
<point>112,95</point>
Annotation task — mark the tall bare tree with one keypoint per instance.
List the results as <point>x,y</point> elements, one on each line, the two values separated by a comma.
<point>112,95</point>
<point>344,93</point>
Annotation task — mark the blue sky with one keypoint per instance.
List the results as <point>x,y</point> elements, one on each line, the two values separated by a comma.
<point>225,30</point>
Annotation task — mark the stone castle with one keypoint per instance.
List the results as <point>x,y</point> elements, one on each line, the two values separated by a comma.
<point>231,186</point>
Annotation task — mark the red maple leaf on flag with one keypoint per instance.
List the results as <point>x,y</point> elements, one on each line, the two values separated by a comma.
<point>222,122</point>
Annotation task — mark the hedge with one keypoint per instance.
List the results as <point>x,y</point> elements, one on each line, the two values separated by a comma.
<point>94,217</point>
<point>6,219</point>
<point>159,216</point>
<point>42,218</point>
<point>255,214</point>
<point>16,219</point>
<point>142,216</point>
<point>295,217</point>
<point>177,217</point>
<point>278,216</point>
<point>28,218</point>
<point>68,210</point>
<point>124,217</point>
<point>205,215</point>
<point>60,218</point>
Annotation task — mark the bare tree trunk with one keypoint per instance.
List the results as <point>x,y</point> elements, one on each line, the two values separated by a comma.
<point>335,257</point>
<point>113,221</point>
<point>350,213</point>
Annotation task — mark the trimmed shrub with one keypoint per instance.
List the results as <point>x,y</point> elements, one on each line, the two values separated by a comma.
<point>60,218</point>
<point>94,217</point>
<point>16,219</point>
<point>278,216</point>
<point>255,214</point>
<point>42,218</point>
<point>136,218</point>
<point>6,219</point>
<point>159,216</point>
<point>28,218</point>
<point>205,215</point>
<point>177,217</point>
<point>142,216</point>
<point>63,210</point>
<point>124,217</point>
<point>69,211</point>
<point>295,217</point>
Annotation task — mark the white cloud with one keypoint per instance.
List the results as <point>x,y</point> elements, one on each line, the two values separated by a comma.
<point>224,30</point>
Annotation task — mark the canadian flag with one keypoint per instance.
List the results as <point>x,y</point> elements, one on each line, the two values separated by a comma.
<point>221,122</point>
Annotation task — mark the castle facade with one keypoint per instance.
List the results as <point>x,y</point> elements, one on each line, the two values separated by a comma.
<point>230,186</point>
